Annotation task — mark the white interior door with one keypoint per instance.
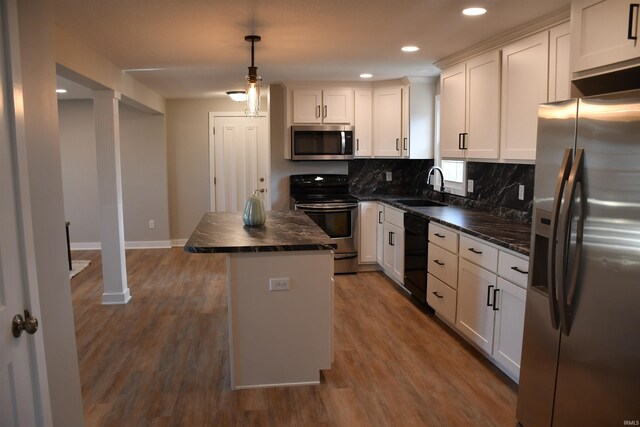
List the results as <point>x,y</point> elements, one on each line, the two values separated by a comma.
<point>239,163</point>
<point>19,379</point>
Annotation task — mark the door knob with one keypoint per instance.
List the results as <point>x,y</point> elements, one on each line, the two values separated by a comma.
<point>19,324</point>
<point>262,190</point>
<point>261,179</point>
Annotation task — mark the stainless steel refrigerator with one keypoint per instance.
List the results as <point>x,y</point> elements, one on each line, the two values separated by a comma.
<point>580,361</point>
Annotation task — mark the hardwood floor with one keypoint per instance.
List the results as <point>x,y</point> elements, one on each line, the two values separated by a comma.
<point>162,359</point>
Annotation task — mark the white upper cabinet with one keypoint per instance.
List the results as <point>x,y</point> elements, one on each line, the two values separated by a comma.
<point>603,32</point>
<point>452,110</point>
<point>362,123</point>
<point>312,106</point>
<point>387,121</point>
<point>525,66</point>
<point>559,53</point>
<point>470,108</point>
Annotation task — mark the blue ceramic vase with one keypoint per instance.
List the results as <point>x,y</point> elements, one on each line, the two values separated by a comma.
<point>254,213</point>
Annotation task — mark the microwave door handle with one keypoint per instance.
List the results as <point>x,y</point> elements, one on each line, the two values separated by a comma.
<point>344,142</point>
<point>566,284</point>
<point>563,174</point>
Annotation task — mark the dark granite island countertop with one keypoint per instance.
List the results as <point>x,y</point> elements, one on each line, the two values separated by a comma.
<point>224,232</point>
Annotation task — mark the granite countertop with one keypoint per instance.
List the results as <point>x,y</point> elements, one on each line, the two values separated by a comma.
<point>225,232</point>
<point>503,232</point>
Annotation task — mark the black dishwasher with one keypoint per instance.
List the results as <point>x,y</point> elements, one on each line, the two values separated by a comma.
<point>415,255</point>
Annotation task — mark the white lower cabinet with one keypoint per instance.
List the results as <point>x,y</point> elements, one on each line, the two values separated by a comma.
<point>367,232</point>
<point>491,299</point>
<point>393,253</point>
<point>509,324</point>
<point>380,234</point>
<point>475,318</point>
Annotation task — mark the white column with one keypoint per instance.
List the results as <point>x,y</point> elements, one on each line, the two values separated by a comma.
<point>114,267</point>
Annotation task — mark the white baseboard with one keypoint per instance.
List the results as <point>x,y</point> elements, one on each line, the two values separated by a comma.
<point>115,299</point>
<point>86,246</point>
<point>178,242</point>
<point>151,244</point>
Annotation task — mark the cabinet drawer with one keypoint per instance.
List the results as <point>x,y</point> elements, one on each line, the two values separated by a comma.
<point>394,216</point>
<point>443,237</point>
<point>443,265</point>
<point>441,298</point>
<point>479,253</point>
<point>513,268</point>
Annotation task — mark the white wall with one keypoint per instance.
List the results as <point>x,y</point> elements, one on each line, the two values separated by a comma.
<point>144,174</point>
<point>45,185</point>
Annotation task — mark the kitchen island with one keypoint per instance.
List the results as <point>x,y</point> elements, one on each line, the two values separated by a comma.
<point>280,296</point>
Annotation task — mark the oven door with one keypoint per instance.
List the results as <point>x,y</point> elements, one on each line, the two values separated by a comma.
<point>338,221</point>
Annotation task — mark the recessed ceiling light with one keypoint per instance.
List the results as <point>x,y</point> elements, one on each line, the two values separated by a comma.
<point>366,76</point>
<point>474,11</point>
<point>410,49</point>
<point>61,90</point>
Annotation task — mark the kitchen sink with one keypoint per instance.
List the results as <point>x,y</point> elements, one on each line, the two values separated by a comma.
<point>419,202</point>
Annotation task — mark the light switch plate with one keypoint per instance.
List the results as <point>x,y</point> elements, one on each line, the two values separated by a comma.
<point>521,192</point>
<point>470,185</point>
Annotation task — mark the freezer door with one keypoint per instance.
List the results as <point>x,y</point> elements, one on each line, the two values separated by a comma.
<point>598,380</point>
<point>554,155</point>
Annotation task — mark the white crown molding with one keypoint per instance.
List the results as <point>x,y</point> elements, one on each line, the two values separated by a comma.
<point>543,23</point>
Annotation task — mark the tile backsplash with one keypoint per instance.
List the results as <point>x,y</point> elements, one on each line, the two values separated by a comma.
<point>496,185</point>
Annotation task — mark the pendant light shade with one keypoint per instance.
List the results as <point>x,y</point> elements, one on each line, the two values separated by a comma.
<point>254,82</point>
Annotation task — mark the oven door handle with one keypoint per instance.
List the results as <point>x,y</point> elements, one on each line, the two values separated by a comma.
<point>326,208</point>
<point>349,255</point>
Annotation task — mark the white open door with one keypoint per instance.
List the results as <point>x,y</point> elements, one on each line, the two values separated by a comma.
<point>24,391</point>
<point>239,161</point>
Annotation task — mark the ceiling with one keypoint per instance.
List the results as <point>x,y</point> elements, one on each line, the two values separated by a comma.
<point>196,48</point>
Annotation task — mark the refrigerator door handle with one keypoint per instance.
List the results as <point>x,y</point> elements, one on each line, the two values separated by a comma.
<point>563,175</point>
<point>567,280</point>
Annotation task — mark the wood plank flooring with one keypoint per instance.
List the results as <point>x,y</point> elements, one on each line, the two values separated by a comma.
<point>162,359</point>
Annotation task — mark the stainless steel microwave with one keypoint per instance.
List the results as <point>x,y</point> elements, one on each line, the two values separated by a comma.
<point>322,142</point>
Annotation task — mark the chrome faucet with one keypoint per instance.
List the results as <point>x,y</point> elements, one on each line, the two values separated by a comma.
<point>430,173</point>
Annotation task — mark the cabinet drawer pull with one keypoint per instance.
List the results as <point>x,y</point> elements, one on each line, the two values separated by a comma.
<point>438,235</point>
<point>519,271</point>
<point>437,295</point>
<point>630,35</point>
<point>489,303</point>
<point>437,261</point>
<point>495,299</point>
<point>475,251</point>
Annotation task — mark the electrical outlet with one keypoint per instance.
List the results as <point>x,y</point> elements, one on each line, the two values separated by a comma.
<point>279,284</point>
<point>388,176</point>
<point>152,224</point>
<point>521,192</point>
<point>470,185</point>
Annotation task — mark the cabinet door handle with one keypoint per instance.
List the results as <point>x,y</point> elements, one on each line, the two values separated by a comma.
<point>630,35</point>
<point>437,295</point>
<point>379,217</point>
<point>405,144</point>
<point>317,111</point>
<point>357,144</point>
<point>464,140</point>
<point>519,271</point>
<point>397,142</point>
<point>475,251</point>
<point>437,261</point>
<point>460,143</point>
<point>392,240</point>
<point>495,299</point>
<point>489,304</point>
<point>325,112</point>
<point>438,235</point>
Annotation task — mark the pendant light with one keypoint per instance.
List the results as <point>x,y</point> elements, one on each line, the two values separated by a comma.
<point>253,83</point>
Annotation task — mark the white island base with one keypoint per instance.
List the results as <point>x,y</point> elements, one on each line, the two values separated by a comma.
<point>284,337</point>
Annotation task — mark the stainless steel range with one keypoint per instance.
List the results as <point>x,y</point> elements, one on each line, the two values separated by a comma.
<point>325,199</point>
